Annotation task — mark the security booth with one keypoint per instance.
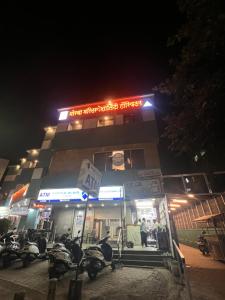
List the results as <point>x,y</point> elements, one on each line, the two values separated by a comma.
<point>215,234</point>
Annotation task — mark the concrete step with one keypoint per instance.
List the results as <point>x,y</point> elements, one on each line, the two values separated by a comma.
<point>140,252</point>
<point>142,263</point>
<point>141,257</point>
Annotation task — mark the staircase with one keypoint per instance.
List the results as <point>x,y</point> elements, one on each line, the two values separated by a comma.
<point>141,258</point>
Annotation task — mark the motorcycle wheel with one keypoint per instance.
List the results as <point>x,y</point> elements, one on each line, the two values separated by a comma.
<point>6,262</point>
<point>113,266</point>
<point>53,274</point>
<point>26,262</point>
<point>92,274</point>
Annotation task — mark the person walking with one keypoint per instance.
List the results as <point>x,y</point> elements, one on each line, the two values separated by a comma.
<point>143,230</point>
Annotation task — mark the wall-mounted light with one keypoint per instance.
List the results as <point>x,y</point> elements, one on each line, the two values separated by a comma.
<point>23,160</point>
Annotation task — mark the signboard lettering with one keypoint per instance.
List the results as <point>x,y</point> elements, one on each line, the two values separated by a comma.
<point>123,104</point>
<point>89,179</point>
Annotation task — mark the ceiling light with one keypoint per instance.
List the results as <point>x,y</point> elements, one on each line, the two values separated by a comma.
<point>102,205</point>
<point>174,205</point>
<point>106,118</point>
<point>172,208</point>
<point>78,205</point>
<point>66,205</point>
<point>90,205</point>
<point>77,122</point>
<point>180,200</point>
<point>115,204</point>
<point>191,195</point>
<point>144,204</point>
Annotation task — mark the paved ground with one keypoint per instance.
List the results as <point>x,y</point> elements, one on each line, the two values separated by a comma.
<point>207,277</point>
<point>124,283</point>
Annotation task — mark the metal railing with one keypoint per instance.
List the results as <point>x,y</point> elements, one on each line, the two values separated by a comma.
<point>119,243</point>
<point>182,268</point>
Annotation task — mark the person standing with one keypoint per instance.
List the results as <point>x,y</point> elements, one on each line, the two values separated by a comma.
<point>143,230</point>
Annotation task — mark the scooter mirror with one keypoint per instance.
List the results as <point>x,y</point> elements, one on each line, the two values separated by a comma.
<point>78,232</point>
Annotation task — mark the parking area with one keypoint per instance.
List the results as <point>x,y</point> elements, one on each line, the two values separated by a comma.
<point>124,283</point>
<point>207,276</point>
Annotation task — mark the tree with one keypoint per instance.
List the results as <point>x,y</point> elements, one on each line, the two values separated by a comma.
<point>196,122</point>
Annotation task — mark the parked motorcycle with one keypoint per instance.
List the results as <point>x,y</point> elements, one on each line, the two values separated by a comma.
<point>202,244</point>
<point>33,250</point>
<point>98,257</point>
<point>9,249</point>
<point>64,257</point>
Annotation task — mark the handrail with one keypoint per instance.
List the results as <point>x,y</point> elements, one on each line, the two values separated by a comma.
<point>179,252</point>
<point>119,235</point>
<point>119,239</point>
<point>182,268</point>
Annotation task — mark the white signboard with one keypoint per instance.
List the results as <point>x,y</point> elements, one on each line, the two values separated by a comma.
<point>89,179</point>
<point>111,193</point>
<point>60,195</point>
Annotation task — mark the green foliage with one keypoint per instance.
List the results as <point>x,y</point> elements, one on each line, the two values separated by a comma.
<point>198,81</point>
<point>4,225</point>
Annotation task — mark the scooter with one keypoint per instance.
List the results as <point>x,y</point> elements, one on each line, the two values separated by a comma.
<point>9,249</point>
<point>98,257</point>
<point>203,245</point>
<point>64,258</point>
<point>31,251</point>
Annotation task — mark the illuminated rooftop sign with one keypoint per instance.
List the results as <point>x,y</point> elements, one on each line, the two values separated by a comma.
<point>117,105</point>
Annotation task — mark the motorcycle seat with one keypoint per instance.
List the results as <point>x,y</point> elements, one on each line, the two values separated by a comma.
<point>31,243</point>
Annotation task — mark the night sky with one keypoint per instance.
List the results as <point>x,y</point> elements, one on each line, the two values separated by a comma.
<point>57,60</point>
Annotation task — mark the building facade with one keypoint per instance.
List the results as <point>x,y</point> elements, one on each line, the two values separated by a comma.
<point>120,138</point>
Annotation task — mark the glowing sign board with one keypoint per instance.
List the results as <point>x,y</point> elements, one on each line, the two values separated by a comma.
<point>117,105</point>
<point>75,194</point>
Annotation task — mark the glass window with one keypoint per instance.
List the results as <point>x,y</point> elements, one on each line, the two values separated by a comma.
<point>137,158</point>
<point>130,118</point>
<point>133,159</point>
<point>103,161</point>
<point>127,159</point>
<point>105,121</point>
<point>76,125</point>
